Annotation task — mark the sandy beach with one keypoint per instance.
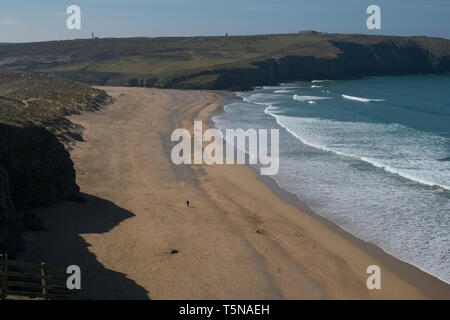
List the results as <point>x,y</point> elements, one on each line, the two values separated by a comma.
<point>242,238</point>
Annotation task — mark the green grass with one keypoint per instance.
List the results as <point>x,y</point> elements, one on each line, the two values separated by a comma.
<point>164,56</point>
<point>30,99</point>
<point>155,56</point>
<point>68,67</point>
<point>202,80</point>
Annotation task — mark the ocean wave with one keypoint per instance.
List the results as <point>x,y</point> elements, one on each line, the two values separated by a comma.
<point>375,163</point>
<point>347,163</point>
<point>319,81</point>
<point>282,91</point>
<point>360,99</point>
<point>271,108</point>
<point>277,87</point>
<point>399,172</point>
<point>309,98</point>
<point>280,123</point>
<point>264,99</point>
<point>314,86</point>
<point>416,224</point>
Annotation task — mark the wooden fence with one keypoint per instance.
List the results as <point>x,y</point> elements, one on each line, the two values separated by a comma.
<point>37,281</point>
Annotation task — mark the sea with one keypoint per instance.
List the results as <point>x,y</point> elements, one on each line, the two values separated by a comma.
<point>371,155</point>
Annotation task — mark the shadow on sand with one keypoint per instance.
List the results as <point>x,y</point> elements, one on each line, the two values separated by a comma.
<point>62,245</point>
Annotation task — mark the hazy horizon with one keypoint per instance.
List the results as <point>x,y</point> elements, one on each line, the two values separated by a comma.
<point>25,21</point>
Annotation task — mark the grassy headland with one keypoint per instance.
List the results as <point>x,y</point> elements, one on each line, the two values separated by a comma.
<point>228,62</point>
<point>31,99</point>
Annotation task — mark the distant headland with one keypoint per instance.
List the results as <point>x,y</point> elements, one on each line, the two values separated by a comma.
<point>228,62</point>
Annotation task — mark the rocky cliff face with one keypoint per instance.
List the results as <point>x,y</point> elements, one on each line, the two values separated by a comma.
<point>39,168</point>
<point>35,171</point>
<point>354,61</point>
<point>10,241</point>
<point>35,167</point>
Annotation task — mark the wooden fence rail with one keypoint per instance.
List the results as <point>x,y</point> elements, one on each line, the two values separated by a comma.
<point>44,285</point>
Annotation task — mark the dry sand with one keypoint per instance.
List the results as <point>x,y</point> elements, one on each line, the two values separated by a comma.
<point>136,214</point>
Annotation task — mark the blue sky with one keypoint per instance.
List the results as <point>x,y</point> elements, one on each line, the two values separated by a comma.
<point>33,20</point>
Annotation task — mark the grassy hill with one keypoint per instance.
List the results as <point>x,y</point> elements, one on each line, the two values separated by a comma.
<point>31,99</point>
<point>222,63</point>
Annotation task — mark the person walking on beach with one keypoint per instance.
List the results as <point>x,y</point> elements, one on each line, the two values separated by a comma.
<point>187,203</point>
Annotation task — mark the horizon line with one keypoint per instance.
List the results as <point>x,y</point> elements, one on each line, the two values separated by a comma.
<point>231,35</point>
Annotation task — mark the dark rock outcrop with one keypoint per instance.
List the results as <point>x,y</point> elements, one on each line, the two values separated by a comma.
<point>10,240</point>
<point>35,170</point>
<point>39,168</point>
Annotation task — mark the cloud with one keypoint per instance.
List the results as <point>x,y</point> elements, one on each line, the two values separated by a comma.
<point>8,21</point>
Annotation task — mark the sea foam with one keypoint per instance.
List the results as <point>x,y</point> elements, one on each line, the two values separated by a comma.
<point>360,99</point>
<point>396,198</point>
<point>309,98</point>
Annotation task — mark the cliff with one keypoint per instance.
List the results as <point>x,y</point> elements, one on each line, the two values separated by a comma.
<point>35,171</point>
<point>35,167</point>
<point>39,169</point>
<point>354,60</point>
<point>10,241</point>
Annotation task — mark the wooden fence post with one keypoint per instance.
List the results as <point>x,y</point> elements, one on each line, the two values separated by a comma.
<point>44,280</point>
<point>3,277</point>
